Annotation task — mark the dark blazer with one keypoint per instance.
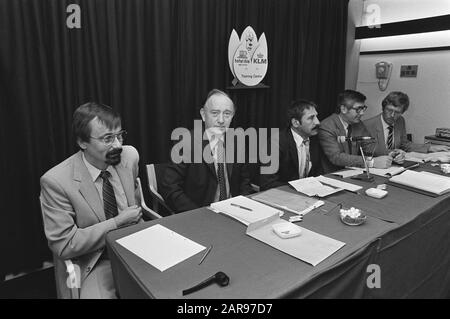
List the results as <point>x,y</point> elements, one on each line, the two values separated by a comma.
<point>337,155</point>
<point>288,160</point>
<point>375,128</point>
<point>187,186</point>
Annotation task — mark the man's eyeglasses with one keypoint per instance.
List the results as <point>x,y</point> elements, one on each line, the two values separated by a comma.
<point>108,139</point>
<point>360,109</point>
<point>392,112</point>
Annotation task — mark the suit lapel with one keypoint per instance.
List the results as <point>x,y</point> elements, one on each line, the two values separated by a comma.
<point>293,153</point>
<point>207,148</point>
<point>87,187</point>
<point>380,137</point>
<point>126,178</point>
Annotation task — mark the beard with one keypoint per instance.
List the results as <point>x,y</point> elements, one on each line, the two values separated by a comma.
<point>113,156</point>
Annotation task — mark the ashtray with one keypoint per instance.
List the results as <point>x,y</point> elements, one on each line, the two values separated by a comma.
<point>445,168</point>
<point>352,216</point>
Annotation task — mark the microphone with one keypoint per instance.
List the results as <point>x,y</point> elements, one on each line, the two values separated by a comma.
<point>343,139</point>
<point>219,278</point>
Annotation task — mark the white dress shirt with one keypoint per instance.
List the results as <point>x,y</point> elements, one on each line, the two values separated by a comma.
<point>302,155</point>
<point>213,140</point>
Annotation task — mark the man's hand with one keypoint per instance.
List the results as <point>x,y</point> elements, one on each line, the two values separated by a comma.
<point>130,215</point>
<point>398,156</point>
<point>438,148</point>
<point>382,161</point>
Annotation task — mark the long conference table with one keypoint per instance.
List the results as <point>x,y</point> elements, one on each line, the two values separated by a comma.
<point>401,251</point>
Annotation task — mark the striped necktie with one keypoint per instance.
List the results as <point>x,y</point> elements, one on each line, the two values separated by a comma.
<point>390,139</point>
<point>221,170</point>
<point>349,134</point>
<point>308,158</point>
<point>109,199</point>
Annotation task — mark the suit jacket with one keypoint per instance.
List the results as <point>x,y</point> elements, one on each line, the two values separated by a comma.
<point>375,128</point>
<point>337,155</point>
<point>73,214</point>
<point>288,160</point>
<point>187,186</point>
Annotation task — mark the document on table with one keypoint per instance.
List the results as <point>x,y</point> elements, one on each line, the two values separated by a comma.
<point>146,244</point>
<point>292,202</point>
<point>335,183</point>
<point>425,181</point>
<point>348,172</point>
<point>443,157</point>
<point>310,246</point>
<point>313,187</point>
<point>387,172</point>
<point>244,209</point>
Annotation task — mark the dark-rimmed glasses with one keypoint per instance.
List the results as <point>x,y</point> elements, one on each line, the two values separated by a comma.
<point>108,139</point>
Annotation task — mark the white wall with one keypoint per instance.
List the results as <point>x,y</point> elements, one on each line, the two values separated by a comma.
<point>429,92</point>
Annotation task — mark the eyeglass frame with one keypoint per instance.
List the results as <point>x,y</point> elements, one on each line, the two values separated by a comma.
<point>392,112</point>
<point>121,135</point>
<point>359,109</point>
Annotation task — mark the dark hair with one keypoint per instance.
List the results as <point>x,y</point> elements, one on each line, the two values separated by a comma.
<point>397,99</point>
<point>218,92</point>
<point>348,99</point>
<point>85,113</point>
<point>297,110</point>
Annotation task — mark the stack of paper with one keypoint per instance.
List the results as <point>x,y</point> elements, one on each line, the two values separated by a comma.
<point>427,182</point>
<point>343,185</point>
<point>313,187</point>
<point>426,157</point>
<point>245,209</point>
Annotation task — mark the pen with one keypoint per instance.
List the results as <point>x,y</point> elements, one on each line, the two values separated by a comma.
<point>242,207</point>
<point>206,254</point>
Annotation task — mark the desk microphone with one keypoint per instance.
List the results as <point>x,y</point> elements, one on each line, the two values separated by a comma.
<point>343,139</point>
<point>364,177</point>
<point>219,278</point>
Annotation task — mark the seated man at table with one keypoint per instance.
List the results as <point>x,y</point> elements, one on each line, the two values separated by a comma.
<point>87,195</point>
<point>336,133</point>
<point>191,184</point>
<point>298,148</point>
<point>389,129</point>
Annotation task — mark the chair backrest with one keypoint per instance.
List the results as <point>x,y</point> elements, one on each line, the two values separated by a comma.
<point>146,210</point>
<point>67,275</point>
<point>153,172</point>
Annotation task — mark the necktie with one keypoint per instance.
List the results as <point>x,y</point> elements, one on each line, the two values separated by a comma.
<point>390,139</point>
<point>306,171</point>
<point>349,134</point>
<point>109,199</point>
<point>221,170</point>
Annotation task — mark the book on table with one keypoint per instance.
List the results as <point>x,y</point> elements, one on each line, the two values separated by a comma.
<point>422,182</point>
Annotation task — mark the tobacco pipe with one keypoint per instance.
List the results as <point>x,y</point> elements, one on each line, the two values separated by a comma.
<point>219,278</point>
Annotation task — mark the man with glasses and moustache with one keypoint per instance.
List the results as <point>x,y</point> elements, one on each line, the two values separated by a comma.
<point>346,123</point>
<point>86,196</point>
<point>390,130</point>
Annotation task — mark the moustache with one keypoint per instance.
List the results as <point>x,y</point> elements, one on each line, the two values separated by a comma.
<point>113,156</point>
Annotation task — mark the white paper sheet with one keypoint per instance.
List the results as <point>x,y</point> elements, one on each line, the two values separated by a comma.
<point>250,211</point>
<point>160,246</point>
<point>436,184</point>
<point>333,182</point>
<point>310,247</point>
<point>313,187</point>
<point>348,173</point>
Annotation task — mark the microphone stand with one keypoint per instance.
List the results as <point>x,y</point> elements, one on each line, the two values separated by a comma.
<point>364,177</point>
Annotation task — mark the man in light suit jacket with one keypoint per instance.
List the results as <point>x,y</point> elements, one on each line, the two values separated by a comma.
<point>189,185</point>
<point>391,120</point>
<point>347,124</point>
<point>297,146</point>
<point>86,196</point>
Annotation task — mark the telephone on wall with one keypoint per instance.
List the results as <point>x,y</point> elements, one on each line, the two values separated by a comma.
<point>383,72</point>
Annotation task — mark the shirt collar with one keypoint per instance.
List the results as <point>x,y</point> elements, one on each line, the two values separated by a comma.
<point>93,171</point>
<point>383,123</point>
<point>297,138</point>
<point>213,139</point>
<point>343,122</point>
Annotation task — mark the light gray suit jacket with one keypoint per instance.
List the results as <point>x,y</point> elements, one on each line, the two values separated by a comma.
<point>337,155</point>
<point>73,214</point>
<point>375,128</point>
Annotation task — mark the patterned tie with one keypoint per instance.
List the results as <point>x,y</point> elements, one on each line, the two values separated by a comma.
<point>306,172</point>
<point>349,134</point>
<point>109,199</point>
<point>221,170</point>
<point>390,139</point>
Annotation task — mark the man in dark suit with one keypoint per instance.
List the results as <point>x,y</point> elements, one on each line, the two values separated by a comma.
<point>188,185</point>
<point>297,146</point>
<point>334,130</point>
<point>389,129</point>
